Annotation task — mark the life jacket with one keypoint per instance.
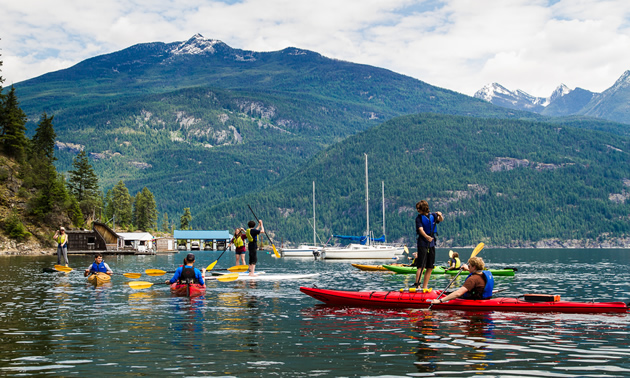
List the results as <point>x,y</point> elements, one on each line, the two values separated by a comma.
<point>430,228</point>
<point>487,291</point>
<point>457,261</point>
<point>61,239</point>
<point>238,241</point>
<point>250,238</point>
<point>98,267</point>
<point>188,275</point>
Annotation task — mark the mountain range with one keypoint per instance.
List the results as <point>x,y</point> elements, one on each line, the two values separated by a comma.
<point>609,105</point>
<point>214,128</point>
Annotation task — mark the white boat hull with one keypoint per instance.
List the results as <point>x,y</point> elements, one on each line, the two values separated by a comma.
<point>262,276</point>
<point>358,251</point>
<point>302,251</point>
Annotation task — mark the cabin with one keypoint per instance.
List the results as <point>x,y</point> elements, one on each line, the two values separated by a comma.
<point>193,240</point>
<point>104,240</point>
<point>138,241</point>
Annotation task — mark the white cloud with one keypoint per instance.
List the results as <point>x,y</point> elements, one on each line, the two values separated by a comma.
<point>533,45</point>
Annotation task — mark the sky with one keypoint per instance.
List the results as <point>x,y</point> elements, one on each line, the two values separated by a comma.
<point>462,45</point>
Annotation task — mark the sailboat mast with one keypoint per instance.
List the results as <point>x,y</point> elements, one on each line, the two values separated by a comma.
<point>383,186</point>
<point>367,198</point>
<point>314,238</point>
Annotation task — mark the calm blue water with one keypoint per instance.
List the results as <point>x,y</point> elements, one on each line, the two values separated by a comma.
<point>55,324</point>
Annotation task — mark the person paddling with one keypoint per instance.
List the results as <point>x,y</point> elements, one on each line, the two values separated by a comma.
<point>62,245</point>
<point>187,273</point>
<point>98,266</point>
<point>453,262</point>
<point>478,285</point>
<point>426,229</point>
<point>252,236</point>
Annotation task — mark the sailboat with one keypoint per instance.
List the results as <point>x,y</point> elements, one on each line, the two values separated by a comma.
<point>370,250</point>
<point>305,250</point>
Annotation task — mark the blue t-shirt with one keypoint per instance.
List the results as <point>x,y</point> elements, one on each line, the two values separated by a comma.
<point>178,273</point>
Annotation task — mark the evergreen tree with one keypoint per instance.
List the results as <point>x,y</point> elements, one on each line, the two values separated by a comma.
<point>43,142</point>
<point>121,204</point>
<point>83,182</point>
<point>165,226</point>
<point>184,220</point>
<point>144,210</point>
<point>13,127</point>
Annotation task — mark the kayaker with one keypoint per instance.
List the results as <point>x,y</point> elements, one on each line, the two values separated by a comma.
<point>98,266</point>
<point>239,242</point>
<point>62,245</point>
<point>478,285</point>
<point>454,262</point>
<point>252,245</point>
<point>188,273</point>
<point>426,229</point>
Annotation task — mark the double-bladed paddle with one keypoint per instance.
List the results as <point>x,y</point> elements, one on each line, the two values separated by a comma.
<point>67,269</point>
<point>159,272</point>
<point>144,284</point>
<point>275,251</point>
<point>474,253</point>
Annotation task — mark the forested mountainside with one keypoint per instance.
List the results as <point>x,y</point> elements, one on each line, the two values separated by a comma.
<point>199,122</point>
<point>503,182</point>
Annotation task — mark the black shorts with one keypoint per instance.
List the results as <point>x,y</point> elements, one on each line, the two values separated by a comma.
<point>253,256</point>
<point>426,257</point>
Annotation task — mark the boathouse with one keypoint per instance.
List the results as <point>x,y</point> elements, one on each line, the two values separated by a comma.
<point>192,240</point>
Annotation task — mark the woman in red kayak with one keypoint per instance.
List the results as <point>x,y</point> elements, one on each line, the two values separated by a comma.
<point>478,285</point>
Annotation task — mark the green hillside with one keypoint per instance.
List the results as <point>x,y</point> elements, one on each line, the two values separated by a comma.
<point>563,183</point>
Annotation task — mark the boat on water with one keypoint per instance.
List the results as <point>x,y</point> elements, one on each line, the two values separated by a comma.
<point>368,248</point>
<point>187,290</point>
<point>440,270</point>
<point>306,250</point>
<point>406,299</point>
<point>372,268</point>
<point>99,278</point>
<point>263,276</point>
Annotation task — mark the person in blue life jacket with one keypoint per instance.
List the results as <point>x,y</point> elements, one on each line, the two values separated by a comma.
<point>188,273</point>
<point>478,285</point>
<point>454,262</point>
<point>252,246</point>
<point>98,266</point>
<point>426,230</point>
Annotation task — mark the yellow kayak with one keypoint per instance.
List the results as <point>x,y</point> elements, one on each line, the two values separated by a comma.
<point>99,278</point>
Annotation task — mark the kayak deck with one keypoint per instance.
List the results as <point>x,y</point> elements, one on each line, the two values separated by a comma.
<point>185,290</point>
<point>406,299</point>
<point>440,270</point>
<point>99,278</point>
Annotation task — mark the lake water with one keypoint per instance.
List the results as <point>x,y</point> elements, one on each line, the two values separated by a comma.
<point>55,324</point>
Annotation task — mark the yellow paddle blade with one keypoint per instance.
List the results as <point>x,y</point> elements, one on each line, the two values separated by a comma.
<point>450,253</point>
<point>275,251</point>
<point>238,268</point>
<point>477,249</point>
<point>132,275</point>
<point>155,272</point>
<point>406,250</point>
<point>62,268</point>
<point>211,266</point>
<point>137,285</point>
<point>227,277</point>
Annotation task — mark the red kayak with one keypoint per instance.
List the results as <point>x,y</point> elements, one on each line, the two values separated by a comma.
<point>405,299</point>
<point>187,290</point>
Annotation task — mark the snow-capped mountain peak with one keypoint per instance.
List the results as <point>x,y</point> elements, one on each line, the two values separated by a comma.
<point>196,45</point>
<point>518,99</point>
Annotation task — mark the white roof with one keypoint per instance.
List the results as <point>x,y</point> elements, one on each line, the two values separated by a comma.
<point>135,235</point>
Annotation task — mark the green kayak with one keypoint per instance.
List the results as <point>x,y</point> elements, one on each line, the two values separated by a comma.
<point>440,270</point>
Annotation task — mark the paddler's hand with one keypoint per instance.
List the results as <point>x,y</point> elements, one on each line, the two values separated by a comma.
<point>436,301</point>
<point>167,281</point>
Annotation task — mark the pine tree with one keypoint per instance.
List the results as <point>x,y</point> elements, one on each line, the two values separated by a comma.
<point>13,127</point>
<point>165,226</point>
<point>121,204</point>
<point>43,142</point>
<point>83,182</point>
<point>184,220</point>
<point>144,210</point>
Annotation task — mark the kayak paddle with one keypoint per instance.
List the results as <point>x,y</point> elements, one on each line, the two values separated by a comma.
<point>159,272</point>
<point>275,251</point>
<point>67,269</point>
<point>474,253</point>
<point>145,284</point>
<point>217,260</point>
